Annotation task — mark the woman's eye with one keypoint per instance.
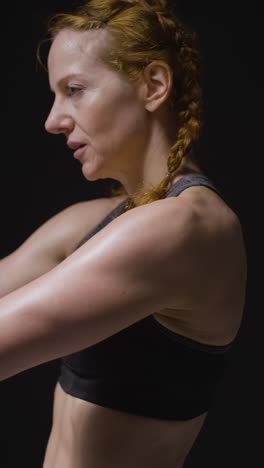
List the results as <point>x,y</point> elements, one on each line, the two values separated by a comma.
<point>71,90</point>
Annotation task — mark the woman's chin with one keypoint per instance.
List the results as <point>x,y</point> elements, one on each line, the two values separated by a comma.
<point>89,172</point>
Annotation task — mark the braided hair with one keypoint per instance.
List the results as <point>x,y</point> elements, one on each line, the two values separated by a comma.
<point>141,32</point>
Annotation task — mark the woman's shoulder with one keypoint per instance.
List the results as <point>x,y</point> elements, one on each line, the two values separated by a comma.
<point>77,220</point>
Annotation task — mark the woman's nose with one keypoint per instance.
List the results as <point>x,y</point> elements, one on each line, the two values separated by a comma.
<point>58,122</point>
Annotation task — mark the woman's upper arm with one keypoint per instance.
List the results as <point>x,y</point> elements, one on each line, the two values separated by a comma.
<point>50,244</point>
<point>127,271</point>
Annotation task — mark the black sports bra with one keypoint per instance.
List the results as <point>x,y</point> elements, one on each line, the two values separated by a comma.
<point>147,369</point>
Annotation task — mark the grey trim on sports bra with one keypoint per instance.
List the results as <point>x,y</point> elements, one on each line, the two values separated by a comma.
<point>191,180</point>
<point>175,190</point>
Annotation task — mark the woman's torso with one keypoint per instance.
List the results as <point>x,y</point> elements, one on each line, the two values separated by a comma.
<point>86,435</point>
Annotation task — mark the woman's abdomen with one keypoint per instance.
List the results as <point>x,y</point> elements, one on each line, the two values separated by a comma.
<point>85,435</point>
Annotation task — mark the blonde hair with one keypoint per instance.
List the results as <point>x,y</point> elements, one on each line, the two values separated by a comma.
<point>141,32</point>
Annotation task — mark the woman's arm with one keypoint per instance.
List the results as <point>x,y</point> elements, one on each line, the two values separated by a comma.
<point>137,265</point>
<point>50,244</point>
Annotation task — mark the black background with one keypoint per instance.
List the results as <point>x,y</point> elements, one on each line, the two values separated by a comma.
<point>39,178</point>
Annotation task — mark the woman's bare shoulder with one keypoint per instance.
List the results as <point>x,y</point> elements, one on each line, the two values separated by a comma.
<point>79,219</point>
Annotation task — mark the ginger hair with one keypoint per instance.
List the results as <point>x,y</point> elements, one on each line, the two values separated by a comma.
<point>143,31</point>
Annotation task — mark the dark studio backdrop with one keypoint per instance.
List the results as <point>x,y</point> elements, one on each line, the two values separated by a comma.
<point>39,178</point>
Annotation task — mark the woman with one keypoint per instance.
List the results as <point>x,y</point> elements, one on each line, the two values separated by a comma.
<point>141,294</point>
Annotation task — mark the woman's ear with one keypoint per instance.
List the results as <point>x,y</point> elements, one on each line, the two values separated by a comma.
<point>158,82</point>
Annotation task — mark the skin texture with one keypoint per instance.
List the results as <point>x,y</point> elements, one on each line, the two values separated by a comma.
<point>170,266</point>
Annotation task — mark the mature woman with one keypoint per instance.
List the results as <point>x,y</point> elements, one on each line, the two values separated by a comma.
<point>140,294</point>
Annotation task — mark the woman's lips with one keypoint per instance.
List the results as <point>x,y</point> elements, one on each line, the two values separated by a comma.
<point>79,152</point>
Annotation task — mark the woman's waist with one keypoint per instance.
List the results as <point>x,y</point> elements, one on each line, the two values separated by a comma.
<point>86,431</point>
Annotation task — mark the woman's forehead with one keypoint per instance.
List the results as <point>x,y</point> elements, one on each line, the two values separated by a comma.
<point>78,44</point>
<point>76,55</point>
<point>75,52</point>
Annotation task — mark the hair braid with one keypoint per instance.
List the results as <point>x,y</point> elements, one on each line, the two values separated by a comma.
<point>143,31</point>
<point>189,105</point>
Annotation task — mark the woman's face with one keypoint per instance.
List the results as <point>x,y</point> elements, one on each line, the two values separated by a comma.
<point>100,113</point>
